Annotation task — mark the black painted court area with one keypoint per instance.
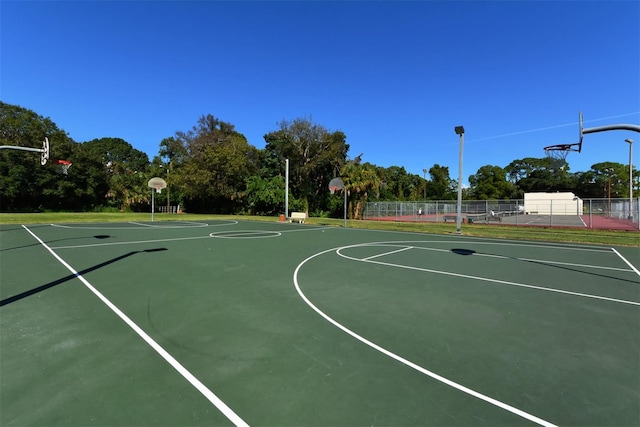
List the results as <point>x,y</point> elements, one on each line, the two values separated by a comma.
<point>276,324</point>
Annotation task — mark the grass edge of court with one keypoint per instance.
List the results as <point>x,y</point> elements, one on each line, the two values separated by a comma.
<point>532,233</point>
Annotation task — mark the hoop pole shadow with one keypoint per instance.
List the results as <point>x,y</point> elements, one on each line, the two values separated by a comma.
<point>73,276</point>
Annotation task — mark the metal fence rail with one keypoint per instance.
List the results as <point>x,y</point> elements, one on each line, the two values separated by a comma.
<point>612,214</point>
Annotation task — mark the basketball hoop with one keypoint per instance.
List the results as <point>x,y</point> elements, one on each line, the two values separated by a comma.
<point>335,184</point>
<point>62,166</point>
<point>158,184</point>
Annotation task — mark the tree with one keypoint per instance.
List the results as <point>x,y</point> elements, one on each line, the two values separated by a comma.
<point>490,183</point>
<point>397,184</point>
<point>24,183</point>
<point>265,196</point>
<point>441,186</point>
<point>604,180</point>
<point>315,156</point>
<point>359,180</point>
<point>213,163</point>
<point>125,170</point>
<point>540,175</point>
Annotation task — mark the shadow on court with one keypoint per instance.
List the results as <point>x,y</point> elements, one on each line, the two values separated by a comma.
<point>73,276</point>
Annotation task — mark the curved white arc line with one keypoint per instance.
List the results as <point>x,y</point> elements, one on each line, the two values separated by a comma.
<point>405,361</point>
<point>186,374</point>
<point>245,234</point>
<point>486,279</point>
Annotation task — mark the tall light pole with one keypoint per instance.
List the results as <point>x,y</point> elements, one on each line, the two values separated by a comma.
<point>167,167</point>
<point>168,198</point>
<point>460,131</point>
<point>425,183</point>
<point>609,171</point>
<point>286,188</point>
<point>630,141</point>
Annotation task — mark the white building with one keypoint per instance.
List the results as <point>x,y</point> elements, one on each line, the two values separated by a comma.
<point>558,203</point>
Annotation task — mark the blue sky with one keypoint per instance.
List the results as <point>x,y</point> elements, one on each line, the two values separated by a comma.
<point>396,77</point>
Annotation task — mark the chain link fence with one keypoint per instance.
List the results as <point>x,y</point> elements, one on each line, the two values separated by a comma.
<point>611,214</point>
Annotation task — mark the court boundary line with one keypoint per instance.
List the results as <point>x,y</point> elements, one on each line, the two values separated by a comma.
<point>626,261</point>
<point>135,242</point>
<point>597,267</point>
<point>145,226</point>
<point>208,236</point>
<point>407,362</point>
<point>485,279</point>
<point>184,372</point>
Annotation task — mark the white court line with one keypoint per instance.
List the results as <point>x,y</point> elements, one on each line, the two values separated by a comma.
<point>137,242</point>
<point>625,260</point>
<point>485,279</point>
<point>215,400</point>
<point>406,362</point>
<point>542,261</point>
<point>144,225</point>
<point>388,253</point>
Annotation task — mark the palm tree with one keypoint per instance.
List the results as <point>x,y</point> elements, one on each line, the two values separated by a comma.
<point>359,180</point>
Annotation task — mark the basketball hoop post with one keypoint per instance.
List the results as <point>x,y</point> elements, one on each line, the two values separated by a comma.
<point>44,151</point>
<point>334,185</point>
<point>156,184</point>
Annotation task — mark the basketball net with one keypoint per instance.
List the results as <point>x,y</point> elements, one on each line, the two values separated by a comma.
<point>557,158</point>
<point>332,190</point>
<point>62,166</point>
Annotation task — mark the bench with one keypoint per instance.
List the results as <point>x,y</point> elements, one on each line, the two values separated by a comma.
<point>298,217</point>
<point>450,217</point>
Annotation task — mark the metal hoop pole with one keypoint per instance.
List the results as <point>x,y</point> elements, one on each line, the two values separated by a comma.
<point>17,147</point>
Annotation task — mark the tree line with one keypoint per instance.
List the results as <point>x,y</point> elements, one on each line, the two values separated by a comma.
<point>212,168</point>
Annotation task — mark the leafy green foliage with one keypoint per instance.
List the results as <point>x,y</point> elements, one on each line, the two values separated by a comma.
<point>315,157</point>
<point>490,182</point>
<point>212,168</point>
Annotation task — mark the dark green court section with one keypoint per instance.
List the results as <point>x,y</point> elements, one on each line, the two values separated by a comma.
<point>549,329</point>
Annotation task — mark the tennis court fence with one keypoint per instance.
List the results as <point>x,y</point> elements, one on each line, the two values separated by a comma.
<point>622,214</point>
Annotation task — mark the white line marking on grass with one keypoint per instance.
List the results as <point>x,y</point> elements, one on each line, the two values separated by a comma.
<point>215,400</point>
<point>485,279</point>
<point>406,362</point>
<point>625,260</point>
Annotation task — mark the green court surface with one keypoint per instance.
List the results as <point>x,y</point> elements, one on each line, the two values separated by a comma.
<point>276,324</point>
